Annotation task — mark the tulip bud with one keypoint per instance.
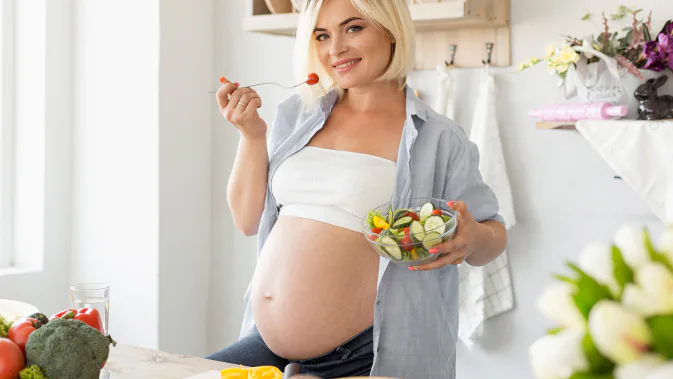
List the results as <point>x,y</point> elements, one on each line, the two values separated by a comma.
<point>631,242</point>
<point>639,369</point>
<point>558,356</point>
<point>557,304</point>
<point>661,372</point>
<point>653,294</point>
<point>596,261</point>
<point>619,334</point>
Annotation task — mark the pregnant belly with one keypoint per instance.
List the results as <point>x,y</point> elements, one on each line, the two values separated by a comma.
<point>314,287</point>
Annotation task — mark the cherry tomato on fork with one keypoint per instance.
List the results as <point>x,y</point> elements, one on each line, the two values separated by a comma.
<point>313,79</point>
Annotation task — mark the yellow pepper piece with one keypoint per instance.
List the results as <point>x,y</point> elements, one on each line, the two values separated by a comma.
<point>412,254</point>
<point>261,372</point>
<point>380,223</point>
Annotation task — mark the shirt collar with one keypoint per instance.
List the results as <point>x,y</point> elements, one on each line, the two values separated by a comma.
<point>415,107</point>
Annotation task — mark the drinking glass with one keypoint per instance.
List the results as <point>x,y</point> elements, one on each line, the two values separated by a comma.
<point>94,295</point>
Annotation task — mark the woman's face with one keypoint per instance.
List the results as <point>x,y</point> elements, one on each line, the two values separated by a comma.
<point>351,49</point>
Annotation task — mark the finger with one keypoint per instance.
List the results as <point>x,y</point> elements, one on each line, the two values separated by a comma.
<point>245,100</point>
<point>458,206</point>
<point>223,93</point>
<point>235,99</point>
<point>453,258</point>
<point>253,105</point>
<point>449,247</point>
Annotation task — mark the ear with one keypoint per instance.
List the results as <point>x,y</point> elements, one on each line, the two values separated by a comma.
<point>660,81</point>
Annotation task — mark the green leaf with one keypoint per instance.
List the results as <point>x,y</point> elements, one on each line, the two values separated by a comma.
<point>597,362</point>
<point>622,272</point>
<point>588,375</point>
<point>623,9</point>
<point>646,34</point>
<point>565,279</point>
<point>662,334</point>
<point>587,17</point>
<point>553,331</point>
<point>655,256</point>
<point>589,292</point>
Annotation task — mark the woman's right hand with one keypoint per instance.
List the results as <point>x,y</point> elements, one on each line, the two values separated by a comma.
<point>239,106</point>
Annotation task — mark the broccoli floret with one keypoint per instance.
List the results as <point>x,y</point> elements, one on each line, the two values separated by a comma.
<point>4,326</point>
<point>32,372</point>
<point>68,349</point>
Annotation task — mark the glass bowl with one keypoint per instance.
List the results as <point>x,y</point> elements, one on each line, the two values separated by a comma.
<point>405,234</point>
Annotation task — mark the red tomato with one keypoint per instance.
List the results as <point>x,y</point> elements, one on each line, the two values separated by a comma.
<point>437,212</point>
<point>313,79</point>
<point>373,237</point>
<point>11,359</point>
<point>407,230</point>
<point>20,331</point>
<point>406,243</point>
<point>377,230</point>
<point>413,215</point>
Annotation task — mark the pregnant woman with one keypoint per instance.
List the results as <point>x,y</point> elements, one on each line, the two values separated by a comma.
<point>320,295</point>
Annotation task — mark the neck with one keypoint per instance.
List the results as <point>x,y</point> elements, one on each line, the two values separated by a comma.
<point>377,97</point>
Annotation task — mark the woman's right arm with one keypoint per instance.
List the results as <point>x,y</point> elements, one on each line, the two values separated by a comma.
<point>246,190</point>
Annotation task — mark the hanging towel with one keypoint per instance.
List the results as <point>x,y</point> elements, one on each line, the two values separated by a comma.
<point>486,291</point>
<point>445,104</point>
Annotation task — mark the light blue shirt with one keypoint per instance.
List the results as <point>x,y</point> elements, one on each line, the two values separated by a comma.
<point>416,313</point>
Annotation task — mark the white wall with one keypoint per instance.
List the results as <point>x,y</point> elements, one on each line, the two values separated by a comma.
<point>116,147</point>
<point>564,193</point>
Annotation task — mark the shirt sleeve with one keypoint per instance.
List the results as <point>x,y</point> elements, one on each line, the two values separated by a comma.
<point>465,183</point>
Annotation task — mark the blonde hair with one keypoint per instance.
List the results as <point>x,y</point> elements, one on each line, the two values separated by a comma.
<point>391,16</point>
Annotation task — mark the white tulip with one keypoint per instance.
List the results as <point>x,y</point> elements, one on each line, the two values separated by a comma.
<point>596,261</point>
<point>653,294</point>
<point>638,369</point>
<point>662,372</point>
<point>619,334</point>
<point>631,242</point>
<point>558,356</point>
<point>556,303</point>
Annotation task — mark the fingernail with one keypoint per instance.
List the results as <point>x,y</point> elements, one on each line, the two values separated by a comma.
<point>411,268</point>
<point>434,251</point>
<point>450,203</point>
<point>236,84</point>
<point>222,79</point>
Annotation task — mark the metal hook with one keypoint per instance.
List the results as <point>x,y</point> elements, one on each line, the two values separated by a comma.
<point>489,50</point>
<point>452,50</point>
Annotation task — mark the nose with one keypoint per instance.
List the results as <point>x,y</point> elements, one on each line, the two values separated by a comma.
<point>338,47</point>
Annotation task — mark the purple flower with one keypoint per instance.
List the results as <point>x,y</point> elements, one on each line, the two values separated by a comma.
<point>659,53</point>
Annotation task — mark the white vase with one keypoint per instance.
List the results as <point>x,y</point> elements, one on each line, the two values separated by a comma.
<point>595,83</point>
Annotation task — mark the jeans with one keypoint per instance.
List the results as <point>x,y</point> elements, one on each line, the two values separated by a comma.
<point>352,358</point>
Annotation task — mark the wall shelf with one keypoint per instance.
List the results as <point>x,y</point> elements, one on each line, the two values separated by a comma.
<point>469,24</point>
<point>546,125</point>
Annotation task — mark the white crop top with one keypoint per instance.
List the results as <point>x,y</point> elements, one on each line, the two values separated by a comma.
<point>333,186</point>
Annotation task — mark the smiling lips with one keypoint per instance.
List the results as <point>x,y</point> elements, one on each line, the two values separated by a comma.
<point>346,64</point>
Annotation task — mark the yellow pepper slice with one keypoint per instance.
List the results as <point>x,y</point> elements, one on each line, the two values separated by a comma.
<point>413,254</point>
<point>260,372</point>
<point>380,223</point>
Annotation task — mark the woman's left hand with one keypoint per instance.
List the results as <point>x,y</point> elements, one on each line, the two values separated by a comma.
<point>455,251</point>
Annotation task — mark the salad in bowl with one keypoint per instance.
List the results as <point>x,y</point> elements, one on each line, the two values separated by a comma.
<point>405,234</point>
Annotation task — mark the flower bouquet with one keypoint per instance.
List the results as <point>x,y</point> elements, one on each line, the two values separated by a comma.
<point>615,316</point>
<point>609,67</point>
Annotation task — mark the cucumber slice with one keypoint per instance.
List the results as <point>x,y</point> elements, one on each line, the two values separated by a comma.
<point>431,240</point>
<point>399,213</point>
<point>417,232</point>
<point>391,247</point>
<point>435,224</point>
<point>403,222</point>
<point>390,215</point>
<point>426,210</point>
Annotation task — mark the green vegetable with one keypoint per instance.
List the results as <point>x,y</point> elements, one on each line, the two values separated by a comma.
<point>68,349</point>
<point>370,216</point>
<point>32,372</point>
<point>4,326</point>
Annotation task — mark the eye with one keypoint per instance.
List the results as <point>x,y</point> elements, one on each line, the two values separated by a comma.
<point>354,28</point>
<point>321,37</point>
